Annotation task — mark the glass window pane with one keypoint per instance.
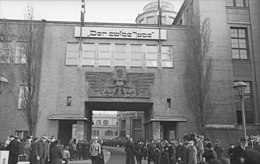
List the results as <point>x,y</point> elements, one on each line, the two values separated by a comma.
<point>89,47</point>
<point>234,43</point>
<point>242,33</point>
<point>136,56</point>
<point>136,48</point>
<point>73,46</point>
<point>235,54</point>
<point>242,43</point>
<point>136,63</point>
<point>243,54</point>
<point>234,33</point>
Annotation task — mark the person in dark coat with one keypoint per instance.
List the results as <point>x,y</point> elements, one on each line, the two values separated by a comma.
<point>179,151</point>
<point>251,156</point>
<point>35,152</point>
<point>238,156</point>
<point>44,154</point>
<point>13,148</point>
<point>139,152</point>
<point>130,151</point>
<point>231,152</point>
<point>209,153</point>
<point>55,153</point>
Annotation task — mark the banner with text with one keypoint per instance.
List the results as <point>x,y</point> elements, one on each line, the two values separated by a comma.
<point>121,33</point>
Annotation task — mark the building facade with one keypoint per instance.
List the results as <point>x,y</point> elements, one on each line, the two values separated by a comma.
<point>235,36</point>
<point>136,67</point>
<point>132,124</point>
<point>150,13</point>
<point>105,126</point>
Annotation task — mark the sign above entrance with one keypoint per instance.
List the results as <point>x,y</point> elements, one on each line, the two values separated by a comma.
<point>121,33</point>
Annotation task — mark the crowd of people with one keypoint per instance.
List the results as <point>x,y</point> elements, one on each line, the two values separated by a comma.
<point>192,149</point>
<point>50,151</point>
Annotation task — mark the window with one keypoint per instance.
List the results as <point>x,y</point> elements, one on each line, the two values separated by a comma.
<point>151,56</point>
<point>150,20</point>
<point>237,3</point>
<point>5,52</point>
<point>120,55</point>
<point>104,54</point>
<point>88,54</point>
<point>169,103</point>
<point>98,122</point>
<point>22,134</point>
<point>122,124</point>
<point>69,101</point>
<point>95,132</point>
<point>248,105</point>
<point>137,123</point>
<point>72,54</point>
<point>239,43</point>
<point>105,122</point>
<point>108,133</point>
<point>167,56</point>
<point>23,92</point>
<point>20,54</point>
<point>136,55</point>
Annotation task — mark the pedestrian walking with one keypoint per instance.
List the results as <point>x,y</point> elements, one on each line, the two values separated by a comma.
<point>130,151</point>
<point>55,153</point>
<point>209,153</point>
<point>95,151</point>
<point>34,155</point>
<point>218,148</point>
<point>238,155</point>
<point>231,152</point>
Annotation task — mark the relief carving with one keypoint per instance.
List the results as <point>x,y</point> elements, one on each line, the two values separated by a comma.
<point>119,84</point>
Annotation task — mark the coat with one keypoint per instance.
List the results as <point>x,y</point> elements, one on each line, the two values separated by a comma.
<point>130,152</point>
<point>237,155</point>
<point>35,151</point>
<point>192,155</point>
<point>209,155</point>
<point>55,155</point>
<point>251,156</point>
<point>13,148</point>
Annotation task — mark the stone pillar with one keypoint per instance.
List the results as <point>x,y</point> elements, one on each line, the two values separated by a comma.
<point>156,130</point>
<point>128,126</point>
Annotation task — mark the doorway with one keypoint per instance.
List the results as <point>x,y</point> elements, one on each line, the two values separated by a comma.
<point>168,130</point>
<point>65,131</point>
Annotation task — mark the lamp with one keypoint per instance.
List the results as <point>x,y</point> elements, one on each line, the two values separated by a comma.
<point>3,83</point>
<point>240,88</point>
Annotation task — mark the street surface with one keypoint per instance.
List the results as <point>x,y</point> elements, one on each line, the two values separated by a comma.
<point>112,155</point>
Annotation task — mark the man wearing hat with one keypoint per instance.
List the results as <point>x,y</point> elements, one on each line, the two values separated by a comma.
<point>95,151</point>
<point>13,148</point>
<point>209,153</point>
<point>45,154</point>
<point>238,155</point>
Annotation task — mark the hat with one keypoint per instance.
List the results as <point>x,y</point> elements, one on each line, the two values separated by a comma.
<point>242,139</point>
<point>208,145</point>
<point>53,137</point>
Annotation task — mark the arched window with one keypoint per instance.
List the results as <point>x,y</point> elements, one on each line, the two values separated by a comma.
<point>105,122</point>
<point>98,122</point>
<point>108,133</point>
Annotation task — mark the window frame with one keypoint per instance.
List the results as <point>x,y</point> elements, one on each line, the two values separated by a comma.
<point>238,39</point>
<point>88,60</point>
<point>132,60</point>
<point>68,58</point>
<point>20,58</point>
<point>6,48</point>
<point>109,52</point>
<point>153,61</point>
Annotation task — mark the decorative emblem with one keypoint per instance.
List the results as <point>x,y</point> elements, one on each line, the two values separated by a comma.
<point>119,84</point>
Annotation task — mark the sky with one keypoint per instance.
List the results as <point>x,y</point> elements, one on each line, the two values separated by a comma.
<point>112,11</point>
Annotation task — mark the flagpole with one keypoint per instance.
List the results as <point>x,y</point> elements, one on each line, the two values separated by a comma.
<point>159,28</point>
<point>82,12</point>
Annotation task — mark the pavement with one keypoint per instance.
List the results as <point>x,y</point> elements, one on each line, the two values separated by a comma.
<point>88,161</point>
<point>107,156</point>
